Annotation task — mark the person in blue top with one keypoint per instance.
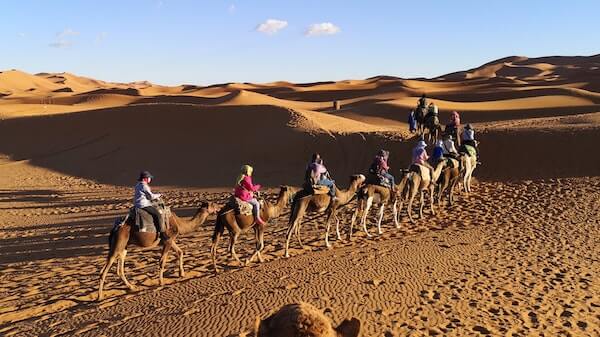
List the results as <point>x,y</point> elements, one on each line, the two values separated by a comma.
<point>438,153</point>
<point>412,121</point>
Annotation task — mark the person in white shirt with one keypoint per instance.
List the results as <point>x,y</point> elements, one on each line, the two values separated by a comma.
<point>143,198</point>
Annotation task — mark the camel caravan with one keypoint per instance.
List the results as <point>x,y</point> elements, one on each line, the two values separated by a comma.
<point>150,223</point>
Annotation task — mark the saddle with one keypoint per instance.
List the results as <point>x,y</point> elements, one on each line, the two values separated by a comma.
<point>377,179</point>
<point>421,170</point>
<point>239,206</point>
<point>143,221</point>
<point>452,163</point>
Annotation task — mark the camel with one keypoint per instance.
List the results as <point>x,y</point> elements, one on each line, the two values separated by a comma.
<point>469,163</point>
<point>124,234</point>
<point>381,195</point>
<point>420,180</point>
<point>448,181</point>
<point>320,203</point>
<point>303,319</point>
<point>237,224</point>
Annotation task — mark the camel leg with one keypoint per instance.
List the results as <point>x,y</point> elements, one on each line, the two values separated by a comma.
<point>256,252</point>
<point>261,240</point>
<point>381,209</point>
<point>163,261</point>
<point>431,196</point>
<point>179,252</point>
<point>365,215</point>
<point>410,206</point>
<point>337,228</point>
<point>395,214</point>
<point>291,231</point>
<point>121,266</point>
<point>422,203</point>
<point>353,220</point>
<point>109,261</point>
<point>233,236</point>
<point>328,226</point>
<point>213,249</point>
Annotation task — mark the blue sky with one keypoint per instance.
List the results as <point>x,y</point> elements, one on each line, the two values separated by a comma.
<point>216,41</point>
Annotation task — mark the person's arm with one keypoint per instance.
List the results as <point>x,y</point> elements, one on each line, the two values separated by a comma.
<point>247,184</point>
<point>148,192</point>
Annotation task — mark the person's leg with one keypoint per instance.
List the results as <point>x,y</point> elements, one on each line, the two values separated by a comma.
<point>158,220</point>
<point>328,183</point>
<point>256,210</point>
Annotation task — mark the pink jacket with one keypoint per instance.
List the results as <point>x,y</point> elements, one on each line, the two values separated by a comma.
<point>420,156</point>
<point>245,190</point>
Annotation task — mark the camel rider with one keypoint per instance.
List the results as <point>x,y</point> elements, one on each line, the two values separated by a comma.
<point>143,198</point>
<point>244,190</point>
<point>422,103</point>
<point>380,169</point>
<point>308,172</point>
<point>420,156</point>
<point>448,147</point>
<point>438,153</point>
<point>469,142</point>
<point>432,114</point>
<point>320,176</point>
<point>452,127</point>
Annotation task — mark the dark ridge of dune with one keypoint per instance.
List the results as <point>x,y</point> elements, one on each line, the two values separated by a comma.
<point>118,91</point>
<point>65,89</point>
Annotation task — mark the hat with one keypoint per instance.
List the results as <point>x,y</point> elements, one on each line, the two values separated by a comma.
<point>421,143</point>
<point>145,174</point>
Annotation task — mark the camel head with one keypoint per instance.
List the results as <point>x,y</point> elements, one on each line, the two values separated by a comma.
<point>211,207</point>
<point>303,319</point>
<point>357,180</point>
<point>287,193</point>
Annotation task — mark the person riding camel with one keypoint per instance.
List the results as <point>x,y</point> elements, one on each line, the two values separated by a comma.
<point>380,169</point>
<point>309,168</point>
<point>320,176</point>
<point>432,112</point>
<point>438,153</point>
<point>453,126</point>
<point>448,147</point>
<point>244,190</point>
<point>143,199</point>
<point>469,141</point>
<point>420,156</point>
<point>422,102</point>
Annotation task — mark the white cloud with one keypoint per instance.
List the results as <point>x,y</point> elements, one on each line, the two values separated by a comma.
<point>62,40</point>
<point>61,44</point>
<point>66,32</point>
<point>271,26</point>
<point>101,37</point>
<point>325,28</point>
<point>231,9</point>
<point>22,35</point>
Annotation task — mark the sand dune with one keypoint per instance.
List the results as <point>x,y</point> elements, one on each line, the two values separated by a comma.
<point>518,257</point>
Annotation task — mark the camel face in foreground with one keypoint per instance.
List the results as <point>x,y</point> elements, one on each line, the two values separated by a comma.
<point>304,320</point>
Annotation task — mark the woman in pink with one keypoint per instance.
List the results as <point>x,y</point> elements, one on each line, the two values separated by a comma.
<point>244,190</point>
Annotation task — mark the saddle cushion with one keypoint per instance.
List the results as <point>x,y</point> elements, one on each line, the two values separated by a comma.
<point>240,207</point>
<point>144,222</point>
<point>471,150</point>
<point>375,179</point>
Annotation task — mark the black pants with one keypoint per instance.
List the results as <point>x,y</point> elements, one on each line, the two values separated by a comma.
<point>156,217</point>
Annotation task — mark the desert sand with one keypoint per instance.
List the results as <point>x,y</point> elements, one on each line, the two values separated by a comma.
<point>517,257</point>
